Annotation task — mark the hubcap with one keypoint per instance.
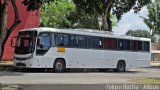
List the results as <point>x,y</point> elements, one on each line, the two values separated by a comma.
<point>121,67</point>
<point>59,65</point>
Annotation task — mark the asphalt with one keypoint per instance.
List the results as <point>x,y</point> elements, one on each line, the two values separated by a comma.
<point>72,80</point>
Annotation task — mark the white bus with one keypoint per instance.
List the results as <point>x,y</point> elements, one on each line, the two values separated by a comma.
<point>62,49</point>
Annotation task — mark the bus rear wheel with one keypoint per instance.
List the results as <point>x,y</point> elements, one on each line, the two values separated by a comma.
<point>59,65</point>
<point>121,66</point>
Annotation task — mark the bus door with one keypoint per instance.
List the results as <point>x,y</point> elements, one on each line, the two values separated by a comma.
<point>43,49</point>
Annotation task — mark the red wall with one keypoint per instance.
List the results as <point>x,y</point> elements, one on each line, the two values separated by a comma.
<point>28,20</point>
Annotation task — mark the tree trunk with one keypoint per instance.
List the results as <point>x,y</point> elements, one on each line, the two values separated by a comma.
<point>107,24</point>
<point>96,21</point>
<point>3,24</point>
<point>13,26</point>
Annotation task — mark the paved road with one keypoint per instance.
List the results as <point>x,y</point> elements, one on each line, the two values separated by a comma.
<point>76,77</point>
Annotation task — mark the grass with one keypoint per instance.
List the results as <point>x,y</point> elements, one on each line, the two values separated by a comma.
<point>146,80</point>
<point>6,65</point>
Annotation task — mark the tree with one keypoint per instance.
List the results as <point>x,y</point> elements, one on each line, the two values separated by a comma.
<point>139,33</point>
<point>4,31</point>
<point>153,18</point>
<point>55,14</point>
<point>104,8</point>
<point>63,14</point>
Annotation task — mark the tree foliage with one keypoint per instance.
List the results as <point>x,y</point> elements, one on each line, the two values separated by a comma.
<point>139,33</point>
<point>153,18</point>
<point>35,4</point>
<point>55,14</point>
<point>63,14</point>
<point>104,7</point>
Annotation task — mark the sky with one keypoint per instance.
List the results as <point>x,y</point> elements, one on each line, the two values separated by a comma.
<point>131,21</point>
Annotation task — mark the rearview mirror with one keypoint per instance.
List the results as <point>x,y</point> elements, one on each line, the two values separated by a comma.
<point>13,41</point>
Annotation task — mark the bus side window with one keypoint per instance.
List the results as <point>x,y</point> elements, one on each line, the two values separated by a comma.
<point>62,40</point>
<point>113,44</point>
<point>90,42</point>
<point>136,46</point>
<point>66,40</point>
<point>126,44</point>
<point>132,45</point>
<point>96,42</point>
<point>140,46</point>
<point>73,41</point>
<point>43,41</point>
<point>82,41</point>
<point>46,42</point>
<point>106,43</point>
<point>146,46</point>
<point>59,40</point>
<point>120,44</point>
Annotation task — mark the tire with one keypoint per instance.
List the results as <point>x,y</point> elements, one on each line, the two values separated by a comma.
<point>59,65</point>
<point>121,66</point>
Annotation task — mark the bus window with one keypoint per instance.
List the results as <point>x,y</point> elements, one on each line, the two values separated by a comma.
<point>132,46</point>
<point>146,46</point>
<point>73,41</point>
<point>90,42</point>
<point>66,40</point>
<point>113,44</point>
<point>136,45</point>
<point>59,40</point>
<point>43,43</point>
<point>120,44</point>
<point>78,41</point>
<point>62,40</point>
<point>94,42</point>
<point>82,41</point>
<point>106,43</point>
<point>139,46</point>
<point>126,44</point>
<point>46,42</point>
<point>97,42</point>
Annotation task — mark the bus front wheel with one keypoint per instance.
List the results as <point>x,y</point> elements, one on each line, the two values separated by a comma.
<point>121,66</point>
<point>59,65</point>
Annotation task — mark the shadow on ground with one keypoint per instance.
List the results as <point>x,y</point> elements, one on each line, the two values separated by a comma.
<point>21,71</point>
<point>8,70</point>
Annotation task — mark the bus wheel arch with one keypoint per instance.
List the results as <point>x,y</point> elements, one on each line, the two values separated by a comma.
<point>59,65</point>
<point>121,66</point>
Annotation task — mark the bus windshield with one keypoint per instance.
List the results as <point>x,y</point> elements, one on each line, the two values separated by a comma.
<point>25,43</point>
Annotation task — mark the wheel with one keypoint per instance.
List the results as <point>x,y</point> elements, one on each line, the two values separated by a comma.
<point>59,65</point>
<point>121,66</point>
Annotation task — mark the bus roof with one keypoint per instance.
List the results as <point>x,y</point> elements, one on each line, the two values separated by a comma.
<point>89,32</point>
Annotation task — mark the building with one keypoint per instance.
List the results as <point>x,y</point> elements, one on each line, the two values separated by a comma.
<point>155,52</point>
<point>28,20</point>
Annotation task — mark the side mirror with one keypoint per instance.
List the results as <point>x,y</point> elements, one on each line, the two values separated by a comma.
<point>13,41</point>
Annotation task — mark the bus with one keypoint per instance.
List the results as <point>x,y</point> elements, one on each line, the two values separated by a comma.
<point>61,49</point>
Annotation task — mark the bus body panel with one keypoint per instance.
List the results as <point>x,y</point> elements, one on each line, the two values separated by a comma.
<point>84,57</point>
